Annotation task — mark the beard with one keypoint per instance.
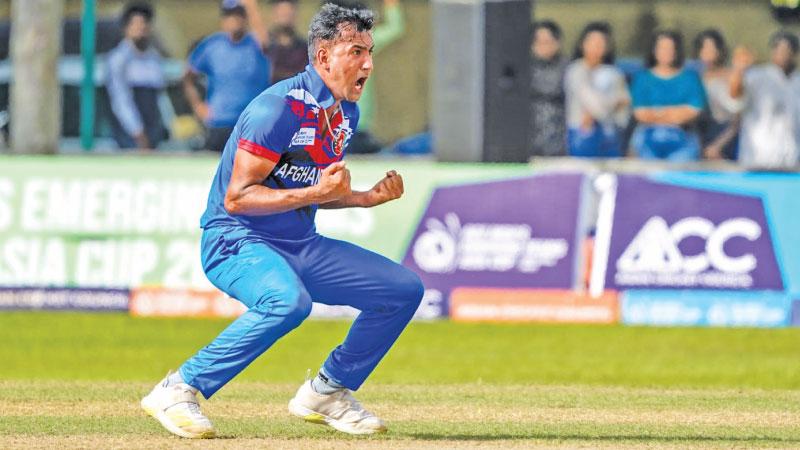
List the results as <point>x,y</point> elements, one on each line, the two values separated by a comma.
<point>237,35</point>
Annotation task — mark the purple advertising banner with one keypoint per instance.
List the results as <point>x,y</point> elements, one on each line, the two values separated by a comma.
<point>512,233</point>
<point>670,237</point>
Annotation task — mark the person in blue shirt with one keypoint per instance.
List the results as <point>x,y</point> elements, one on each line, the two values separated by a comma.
<point>282,162</point>
<point>667,101</point>
<point>135,79</point>
<point>235,67</point>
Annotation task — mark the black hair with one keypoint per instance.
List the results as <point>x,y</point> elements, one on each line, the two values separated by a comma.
<point>326,24</point>
<point>597,27</point>
<point>349,4</point>
<point>788,36</point>
<point>136,9</point>
<point>550,26</point>
<point>677,39</point>
<point>719,42</point>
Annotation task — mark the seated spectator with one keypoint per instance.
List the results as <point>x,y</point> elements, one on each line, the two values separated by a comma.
<point>667,101</point>
<point>134,81</point>
<point>596,96</point>
<point>548,127</point>
<point>770,133</point>
<point>235,67</point>
<point>287,51</point>
<point>719,123</point>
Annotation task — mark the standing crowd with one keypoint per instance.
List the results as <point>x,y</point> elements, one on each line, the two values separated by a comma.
<point>225,70</point>
<point>669,109</point>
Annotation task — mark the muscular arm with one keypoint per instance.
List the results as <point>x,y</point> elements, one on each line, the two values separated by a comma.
<point>356,199</point>
<point>387,189</point>
<point>247,196</point>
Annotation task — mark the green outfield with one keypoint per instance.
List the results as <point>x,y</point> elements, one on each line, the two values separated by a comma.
<point>74,380</point>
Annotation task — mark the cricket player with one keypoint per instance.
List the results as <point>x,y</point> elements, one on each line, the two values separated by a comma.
<point>259,245</point>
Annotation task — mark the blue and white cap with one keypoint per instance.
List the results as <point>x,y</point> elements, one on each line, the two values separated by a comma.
<point>232,7</point>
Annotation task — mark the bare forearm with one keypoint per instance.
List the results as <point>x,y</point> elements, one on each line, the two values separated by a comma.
<point>256,22</point>
<point>736,83</point>
<point>672,115</point>
<point>680,115</point>
<point>728,135</point>
<point>258,200</point>
<point>191,93</point>
<point>357,199</point>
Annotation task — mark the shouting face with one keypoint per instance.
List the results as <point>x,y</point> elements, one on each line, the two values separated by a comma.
<point>346,62</point>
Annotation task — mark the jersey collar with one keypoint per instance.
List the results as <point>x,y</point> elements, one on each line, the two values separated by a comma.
<point>317,88</point>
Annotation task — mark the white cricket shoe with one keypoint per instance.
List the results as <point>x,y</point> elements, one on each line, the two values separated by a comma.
<point>177,409</point>
<point>340,410</point>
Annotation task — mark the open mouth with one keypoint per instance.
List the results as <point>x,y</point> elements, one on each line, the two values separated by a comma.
<point>360,83</point>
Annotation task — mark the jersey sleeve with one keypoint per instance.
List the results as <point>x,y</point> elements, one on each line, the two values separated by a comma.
<point>697,93</point>
<point>198,59</point>
<point>639,91</point>
<point>266,128</point>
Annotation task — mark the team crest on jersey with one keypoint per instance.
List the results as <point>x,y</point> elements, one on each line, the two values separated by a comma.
<point>321,150</point>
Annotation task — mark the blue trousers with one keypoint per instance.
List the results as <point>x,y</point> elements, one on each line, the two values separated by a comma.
<point>277,280</point>
<point>669,143</point>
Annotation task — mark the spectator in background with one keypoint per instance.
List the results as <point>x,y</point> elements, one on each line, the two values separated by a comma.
<point>597,97</point>
<point>548,128</point>
<point>667,101</point>
<point>287,51</point>
<point>235,67</point>
<point>770,132</point>
<point>135,80</point>
<point>719,123</point>
<point>390,29</point>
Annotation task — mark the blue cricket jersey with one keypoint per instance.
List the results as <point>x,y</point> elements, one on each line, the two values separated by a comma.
<point>283,125</point>
<point>236,72</point>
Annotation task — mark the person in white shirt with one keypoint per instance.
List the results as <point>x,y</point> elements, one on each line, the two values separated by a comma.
<point>770,132</point>
<point>719,123</point>
<point>597,99</point>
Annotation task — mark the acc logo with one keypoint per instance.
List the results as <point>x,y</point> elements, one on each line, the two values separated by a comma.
<point>655,248</point>
<point>653,257</point>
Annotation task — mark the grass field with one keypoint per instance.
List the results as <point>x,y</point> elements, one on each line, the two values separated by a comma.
<point>74,380</point>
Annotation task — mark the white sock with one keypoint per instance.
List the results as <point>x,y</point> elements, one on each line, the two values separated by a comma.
<point>173,379</point>
<point>323,384</point>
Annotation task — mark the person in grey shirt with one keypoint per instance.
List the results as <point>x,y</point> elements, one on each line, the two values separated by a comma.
<point>770,131</point>
<point>598,102</point>
<point>548,132</point>
<point>134,81</point>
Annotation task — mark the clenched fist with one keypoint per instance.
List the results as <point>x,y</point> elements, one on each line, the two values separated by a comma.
<point>334,182</point>
<point>389,188</point>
